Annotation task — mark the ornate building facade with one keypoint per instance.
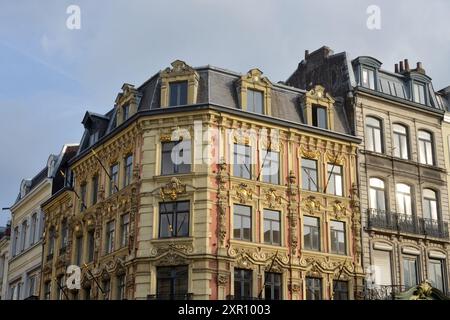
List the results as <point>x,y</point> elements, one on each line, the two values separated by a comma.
<point>204,183</point>
<point>5,233</point>
<point>402,168</point>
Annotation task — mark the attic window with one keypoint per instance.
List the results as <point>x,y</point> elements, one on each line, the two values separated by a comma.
<point>319,117</point>
<point>125,112</point>
<point>93,138</point>
<point>178,93</point>
<point>368,78</point>
<point>419,93</point>
<point>255,101</point>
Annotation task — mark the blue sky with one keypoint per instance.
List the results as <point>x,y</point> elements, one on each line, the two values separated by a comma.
<point>50,75</point>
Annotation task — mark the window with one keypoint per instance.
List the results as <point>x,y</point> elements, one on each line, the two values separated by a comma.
<point>400,141</point>
<point>374,141</point>
<point>425,147</point>
<point>313,288</point>
<point>93,137</point>
<point>377,194</point>
<point>242,222</point>
<point>33,228</point>
<point>174,219</point>
<point>91,246</point>
<point>272,287</point>
<point>309,174</point>
<point>31,285</point>
<point>272,227</point>
<point>124,229</point>
<point>368,78</point>
<point>172,283</point>
<point>87,293</point>
<point>120,287</point>
<point>176,157</point>
<point>340,291</point>
<point>15,246</point>
<point>83,196</point>
<point>338,243</point>
<point>128,168</point>
<point>60,288</point>
<point>178,93</point>
<point>94,190</point>
<point>23,241</point>
<point>242,161</point>
<point>114,178</point>
<point>271,166</point>
<point>311,233</point>
<point>255,101</point>
<point>47,290</point>
<point>404,205</point>
<point>51,242</point>
<point>430,210</point>
<point>125,112</point>
<point>106,285</point>
<point>242,284</point>
<point>319,117</point>
<point>419,93</point>
<point>382,268</point>
<point>335,184</point>
<point>79,251</point>
<point>436,273</point>
<point>64,236</point>
<point>110,230</point>
<point>410,272</point>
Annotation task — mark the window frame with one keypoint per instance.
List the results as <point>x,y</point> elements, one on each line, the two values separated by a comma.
<point>247,157</point>
<point>274,285</point>
<point>311,234</point>
<point>179,95</point>
<point>266,162</point>
<point>371,81</point>
<point>336,232</point>
<point>271,230</point>
<point>426,148</point>
<point>181,168</point>
<point>377,190</point>
<point>241,228</point>
<point>317,285</point>
<point>373,134</point>
<point>307,173</point>
<point>127,170</point>
<point>254,107</point>
<point>331,176</point>
<point>316,120</point>
<point>175,212</point>
<point>243,278</point>
<point>397,138</point>
<point>110,235</point>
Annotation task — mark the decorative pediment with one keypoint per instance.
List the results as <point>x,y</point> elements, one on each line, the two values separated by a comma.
<point>318,94</point>
<point>172,189</point>
<point>255,76</point>
<point>179,67</point>
<point>184,247</point>
<point>309,154</point>
<point>243,193</point>
<point>171,258</point>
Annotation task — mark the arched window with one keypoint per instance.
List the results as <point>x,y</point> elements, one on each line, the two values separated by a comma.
<point>430,210</point>
<point>401,139</point>
<point>374,139</point>
<point>33,228</point>
<point>377,194</point>
<point>404,204</point>
<point>425,147</point>
<point>23,241</point>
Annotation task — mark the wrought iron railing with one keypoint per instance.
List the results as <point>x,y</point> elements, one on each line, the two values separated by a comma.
<point>168,296</point>
<point>406,223</point>
<point>379,292</point>
<point>232,297</point>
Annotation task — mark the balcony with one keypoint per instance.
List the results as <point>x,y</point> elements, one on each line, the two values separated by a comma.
<point>379,292</point>
<point>386,220</point>
<point>168,296</point>
<point>232,297</point>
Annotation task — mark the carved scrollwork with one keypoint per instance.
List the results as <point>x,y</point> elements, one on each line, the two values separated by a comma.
<point>312,204</point>
<point>172,189</point>
<point>337,159</point>
<point>272,199</point>
<point>243,193</point>
<point>310,154</point>
<point>182,247</point>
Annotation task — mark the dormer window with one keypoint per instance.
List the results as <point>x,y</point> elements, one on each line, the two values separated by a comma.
<point>93,138</point>
<point>178,93</point>
<point>125,112</point>
<point>319,117</point>
<point>419,93</point>
<point>255,101</point>
<point>368,78</point>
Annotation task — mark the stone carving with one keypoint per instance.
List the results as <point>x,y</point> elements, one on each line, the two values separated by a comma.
<point>184,247</point>
<point>222,279</point>
<point>172,189</point>
<point>272,199</point>
<point>312,204</point>
<point>310,154</point>
<point>243,193</point>
<point>222,196</point>
<point>339,209</point>
<point>336,159</point>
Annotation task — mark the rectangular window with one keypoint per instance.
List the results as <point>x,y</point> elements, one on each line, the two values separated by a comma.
<point>436,273</point>
<point>34,228</point>
<point>94,190</point>
<point>309,175</point>
<point>87,293</point>
<point>242,161</point>
<point>368,78</point>
<point>272,288</point>
<point>374,135</point>
<point>255,101</point>
<point>335,184</point>
<point>64,236</point>
<point>410,272</point>
<point>60,287</point>
<point>91,246</point>
<point>106,285</point>
<point>178,93</point>
<point>83,196</point>
<point>176,157</point>
<point>242,284</point>
<point>425,148</point>
<point>272,227</point>
<point>270,166</point>
<point>47,290</point>
<point>419,93</point>
<point>400,141</point>
<point>313,288</point>
<point>124,229</point>
<point>337,230</point>
<point>120,287</point>
<point>114,174</point>
<point>125,112</point>
<point>382,267</point>
<point>340,291</point>
<point>110,230</point>
<point>31,285</point>
<point>174,219</point>
<point>172,283</point>
<point>23,241</point>
<point>311,233</point>
<point>128,170</point>
<point>242,222</point>
<point>79,251</point>
<point>319,117</point>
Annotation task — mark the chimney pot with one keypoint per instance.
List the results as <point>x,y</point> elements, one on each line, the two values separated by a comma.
<point>306,53</point>
<point>406,65</point>
<point>396,68</point>
<point>401,66</point>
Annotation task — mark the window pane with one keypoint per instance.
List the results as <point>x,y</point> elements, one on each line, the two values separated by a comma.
<point>255,101</point>
<point>309,174</point>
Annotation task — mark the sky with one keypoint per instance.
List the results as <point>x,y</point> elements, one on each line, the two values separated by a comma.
<point>50,74</point>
